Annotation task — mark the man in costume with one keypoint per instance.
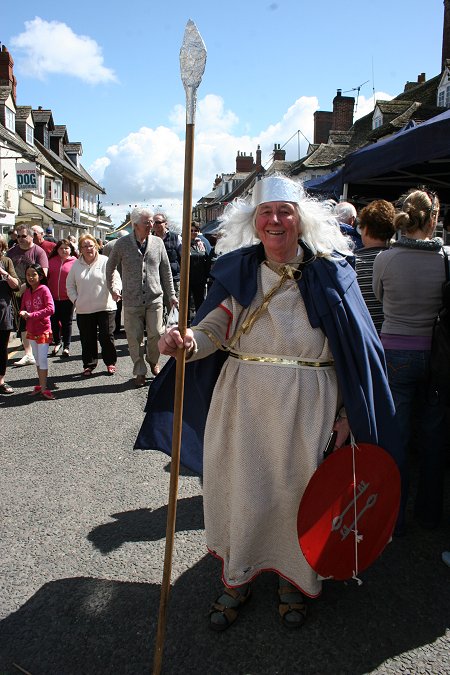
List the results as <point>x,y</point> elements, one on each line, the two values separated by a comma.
<point>284,334</point>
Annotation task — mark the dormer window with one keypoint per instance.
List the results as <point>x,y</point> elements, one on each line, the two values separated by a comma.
<point>377,120</point>
<point>444,97</point>
<point>443,92</point>
<point>46,138</point>
<point>10,119</point>
<point>29,131</point>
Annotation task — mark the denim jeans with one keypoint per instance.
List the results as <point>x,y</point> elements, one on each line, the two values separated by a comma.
<point>418,409</point>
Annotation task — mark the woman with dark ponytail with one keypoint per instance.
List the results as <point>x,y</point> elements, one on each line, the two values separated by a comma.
<point>408,280</point>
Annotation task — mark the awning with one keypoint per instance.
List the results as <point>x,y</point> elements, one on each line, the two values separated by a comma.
<point>330,184</point>
<point>57,217</point>
<point>416,155</point>
<point>211,227</point>
<point>425,143</point>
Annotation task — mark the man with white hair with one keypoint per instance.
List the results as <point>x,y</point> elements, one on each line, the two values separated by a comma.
<point>346,215</point>
<point>146,278</point>
<point>38,238</point>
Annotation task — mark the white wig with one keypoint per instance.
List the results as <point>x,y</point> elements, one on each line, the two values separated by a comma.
<point>318,226</point>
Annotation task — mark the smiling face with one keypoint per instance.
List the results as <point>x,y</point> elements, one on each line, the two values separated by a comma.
<point>278,227</point>
<point>88,249</point>
<point>33,278</point>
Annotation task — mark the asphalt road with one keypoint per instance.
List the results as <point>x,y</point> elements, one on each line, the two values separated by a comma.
<point>82,548</point>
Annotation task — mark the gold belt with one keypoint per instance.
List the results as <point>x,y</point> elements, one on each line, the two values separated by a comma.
<point>277,360</point>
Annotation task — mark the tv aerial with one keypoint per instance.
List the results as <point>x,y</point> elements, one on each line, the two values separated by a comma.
<point>357,89</point>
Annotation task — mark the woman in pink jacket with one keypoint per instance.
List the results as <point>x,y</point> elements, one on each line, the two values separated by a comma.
<point>36,308</point>
<point>60,261</point>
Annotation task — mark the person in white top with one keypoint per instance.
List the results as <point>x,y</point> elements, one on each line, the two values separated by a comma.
<point>96,309</point>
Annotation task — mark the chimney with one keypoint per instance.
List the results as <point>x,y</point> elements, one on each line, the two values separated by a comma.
<point>258,158</point>
<point>421,78</point>
<point>323,121</point>
<point>244,163</point>
<point>278,153</point>
<point>446,35</point>
<point>343,107</point>
<point>6,71</point>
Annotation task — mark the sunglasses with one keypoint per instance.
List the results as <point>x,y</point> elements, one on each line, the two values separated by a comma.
<point>23,236</point>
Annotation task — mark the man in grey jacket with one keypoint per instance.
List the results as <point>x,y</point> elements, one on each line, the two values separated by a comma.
<point>146,277</point>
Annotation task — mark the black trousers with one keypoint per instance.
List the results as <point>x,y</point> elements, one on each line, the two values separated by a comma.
<point>88,324</point>
<point>118,316</point>
<point>62,322</point>
<point>4,339</point>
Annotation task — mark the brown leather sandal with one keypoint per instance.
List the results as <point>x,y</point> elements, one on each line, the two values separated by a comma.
<point>291,605</point>
<point>228,612</point>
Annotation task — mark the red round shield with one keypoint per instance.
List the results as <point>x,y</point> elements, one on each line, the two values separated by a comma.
<point>348,511</point>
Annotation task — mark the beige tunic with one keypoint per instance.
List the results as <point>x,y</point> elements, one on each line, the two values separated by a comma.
<point>267,427</point>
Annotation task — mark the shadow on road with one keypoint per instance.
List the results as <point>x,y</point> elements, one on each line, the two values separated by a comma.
<point>97,626</point>
<point>146,525</point>
<point>110,385</point>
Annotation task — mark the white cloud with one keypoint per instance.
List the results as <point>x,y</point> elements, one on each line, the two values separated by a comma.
<point>147,166</point>
<point>49,47</point>
<point>366,105</point>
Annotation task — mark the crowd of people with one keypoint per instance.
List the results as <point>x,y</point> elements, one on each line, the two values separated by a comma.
<point>136,275</point>
<point>318,315</point>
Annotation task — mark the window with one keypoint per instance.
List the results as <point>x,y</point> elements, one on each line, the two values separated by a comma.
<point>40,184</point>
<point>46,138</point>
<point>56,190</point>
<point>444,97</point>
<point>48,188</point>
<point>10,119</point>
<point>29,134</point>
<point>377,121</point>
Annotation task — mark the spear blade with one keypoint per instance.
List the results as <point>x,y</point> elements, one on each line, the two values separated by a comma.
<point>192,66</point>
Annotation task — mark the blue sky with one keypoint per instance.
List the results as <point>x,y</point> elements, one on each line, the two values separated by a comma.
<point>110,73</point>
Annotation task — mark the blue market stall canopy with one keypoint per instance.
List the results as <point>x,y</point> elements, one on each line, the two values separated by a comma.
<point>211,227</point>
<point>413,156</point>
<point>427,143</point>
<point>330,184</point>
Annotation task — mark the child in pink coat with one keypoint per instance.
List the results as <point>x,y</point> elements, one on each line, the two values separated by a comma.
<point>37,307</point>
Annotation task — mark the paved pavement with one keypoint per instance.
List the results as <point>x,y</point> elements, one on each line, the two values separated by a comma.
<point>82,531</point>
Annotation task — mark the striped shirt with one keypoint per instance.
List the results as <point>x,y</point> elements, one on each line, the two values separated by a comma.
<point>365,258</point>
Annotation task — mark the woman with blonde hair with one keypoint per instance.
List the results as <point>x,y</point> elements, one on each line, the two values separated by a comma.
<point>95,307</point>
<point>408,280</point>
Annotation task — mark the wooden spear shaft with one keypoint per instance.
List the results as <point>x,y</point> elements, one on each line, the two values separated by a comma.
<point>192,60</point>
<point>178,405</point>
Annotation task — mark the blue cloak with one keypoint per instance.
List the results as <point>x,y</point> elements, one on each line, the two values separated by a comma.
<point>334,303</point>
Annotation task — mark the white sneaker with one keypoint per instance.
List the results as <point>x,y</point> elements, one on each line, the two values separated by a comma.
<point>26,361</point>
